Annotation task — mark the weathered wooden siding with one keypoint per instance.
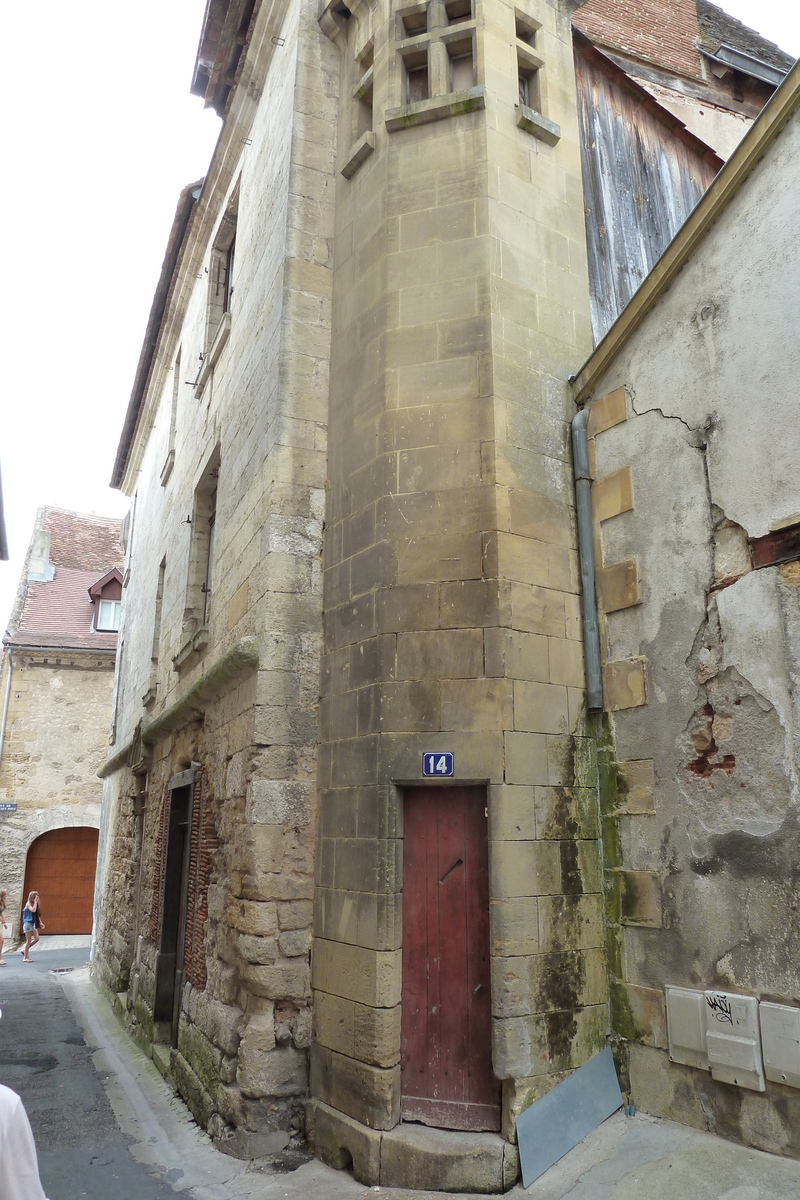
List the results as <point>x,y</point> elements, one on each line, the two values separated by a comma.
<point>641,180</point>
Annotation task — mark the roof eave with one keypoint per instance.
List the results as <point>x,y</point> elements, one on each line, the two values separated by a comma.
<point>3,537</point>
<point>186,202</point>
<point>56,647</point>
<point>227,25</point>
<point>737,60</point>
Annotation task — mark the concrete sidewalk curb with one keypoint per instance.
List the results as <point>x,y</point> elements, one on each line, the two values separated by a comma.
<point>166,1138</point>
<point>624,1159</point>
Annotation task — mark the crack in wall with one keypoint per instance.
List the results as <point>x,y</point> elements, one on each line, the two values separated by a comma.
<point>710,422</point>
<point>722,759</point>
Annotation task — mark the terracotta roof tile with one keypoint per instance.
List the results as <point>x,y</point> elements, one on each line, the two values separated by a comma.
<point>86,543</point>
<point>718,28</point>
<point>668,32</point>
<point>59,612</point>
<point>661,31</point>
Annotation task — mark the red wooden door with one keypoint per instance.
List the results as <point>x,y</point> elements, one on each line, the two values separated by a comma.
<point>446,1064</point>
<point>61,868</point>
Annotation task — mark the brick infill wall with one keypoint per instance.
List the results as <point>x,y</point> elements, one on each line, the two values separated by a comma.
<point>662,31</point>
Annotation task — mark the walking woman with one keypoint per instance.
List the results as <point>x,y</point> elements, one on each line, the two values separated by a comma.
<point>3,901</point>
<point>31,924</point>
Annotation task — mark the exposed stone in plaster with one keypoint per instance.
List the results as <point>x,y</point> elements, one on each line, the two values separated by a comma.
<point>731,553</point>
<point>703,736</point>
<point>734,770</point>
<point>728,853</point>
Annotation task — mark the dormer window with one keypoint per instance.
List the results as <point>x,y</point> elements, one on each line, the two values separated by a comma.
<point>108,616</point>
<point>106,596</point>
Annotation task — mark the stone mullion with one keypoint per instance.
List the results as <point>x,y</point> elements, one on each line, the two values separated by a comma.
<point>438,69</point>
<point>438,62</point>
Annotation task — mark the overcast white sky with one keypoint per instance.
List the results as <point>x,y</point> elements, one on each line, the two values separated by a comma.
<point>99,135</point>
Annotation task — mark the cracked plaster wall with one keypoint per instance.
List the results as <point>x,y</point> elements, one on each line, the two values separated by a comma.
<point>711,440</point>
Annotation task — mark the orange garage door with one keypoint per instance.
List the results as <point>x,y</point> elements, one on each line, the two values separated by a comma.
<point>60,867</point>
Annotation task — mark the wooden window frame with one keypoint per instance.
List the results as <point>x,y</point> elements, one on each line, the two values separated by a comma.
<point>107,628</point>
<point>221,269</point>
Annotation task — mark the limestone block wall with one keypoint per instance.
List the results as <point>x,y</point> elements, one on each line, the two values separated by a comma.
<point>260,408</point>
<point>460,304</point>
<point>116,882</point>
<point>540,323</point>
<point>695,495</point>
<point>55,742</point>
<point>235,693</point>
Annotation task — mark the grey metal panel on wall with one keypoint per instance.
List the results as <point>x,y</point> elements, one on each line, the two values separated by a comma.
<point>641,180</point>
<point>557,1122</point>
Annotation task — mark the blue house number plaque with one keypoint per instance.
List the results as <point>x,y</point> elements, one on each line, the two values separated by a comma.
<point>440,765</point>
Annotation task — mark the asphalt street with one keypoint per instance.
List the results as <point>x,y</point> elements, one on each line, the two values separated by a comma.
<point>108,1127</point>
<point>43,1057</point>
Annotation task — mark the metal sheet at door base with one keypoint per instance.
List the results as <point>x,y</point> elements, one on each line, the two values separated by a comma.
<point>552,1126</point>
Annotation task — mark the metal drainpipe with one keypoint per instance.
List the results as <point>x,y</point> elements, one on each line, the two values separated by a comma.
<point>5,705</point>
<point>583,500</point>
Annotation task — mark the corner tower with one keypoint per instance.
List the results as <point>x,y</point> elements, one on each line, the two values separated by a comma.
<point>452,993</point>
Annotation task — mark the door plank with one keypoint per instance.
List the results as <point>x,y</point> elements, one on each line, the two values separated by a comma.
<point>450,1114</point>
<point>414,1036</point>
<point>453,947</point>
<point>432,957</point>
<point>484,1087</point>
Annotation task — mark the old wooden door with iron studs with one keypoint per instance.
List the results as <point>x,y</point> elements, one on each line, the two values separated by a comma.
<point>446,1063</point>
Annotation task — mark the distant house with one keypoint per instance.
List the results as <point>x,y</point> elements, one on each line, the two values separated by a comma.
<point>57,684</point>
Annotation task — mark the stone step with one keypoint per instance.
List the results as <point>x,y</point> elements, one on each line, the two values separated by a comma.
<point>413,1156</point>
<point>160,1055</point>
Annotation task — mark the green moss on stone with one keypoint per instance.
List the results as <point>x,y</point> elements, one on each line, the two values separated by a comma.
<point>199,1053</point>
<point>190,1087</point>
<point>613,788</point>
<point>622,1020</point>
<point>144,1018</point>
<point>586,762</point>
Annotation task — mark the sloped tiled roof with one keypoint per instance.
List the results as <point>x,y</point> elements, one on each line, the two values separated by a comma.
<point>82,541</point>
<point>670,32</point>
<point>58,612</point>
<point>717,29</point>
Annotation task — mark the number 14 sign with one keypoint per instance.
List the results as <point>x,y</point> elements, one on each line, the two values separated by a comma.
<point>439,764</point>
